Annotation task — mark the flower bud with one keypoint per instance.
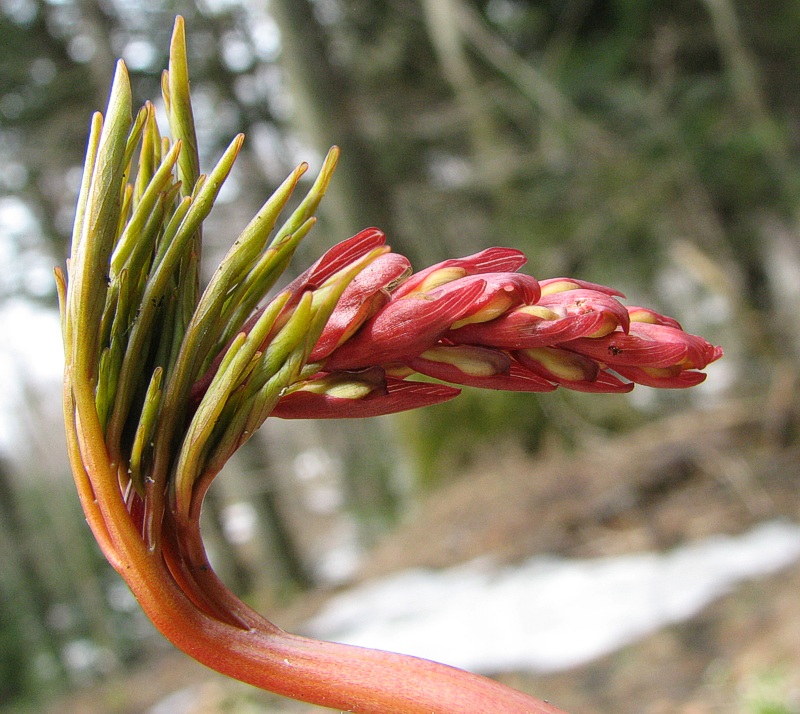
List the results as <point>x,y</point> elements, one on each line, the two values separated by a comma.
<point>571,370</point>
<point>557,317</point>
<point>501,292</point>
<point>648,345</point>
<point>491,260</point>
<point>527,327</point>
<point>479,367</point>
<point>364,296</point>
<point>461,364</point>
<point>405,328</point>
<point>558,285</point>
<point>582,301</point>
<point>644,314</point>
<point>358,394</point>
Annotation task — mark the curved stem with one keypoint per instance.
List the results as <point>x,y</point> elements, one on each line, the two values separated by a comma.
<point>328,674</point>
<point>256,651</point>
<point>185,556</point>
<point>189,557</point>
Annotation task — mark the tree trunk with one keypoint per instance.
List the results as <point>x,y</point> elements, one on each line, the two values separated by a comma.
<point>357,198</point>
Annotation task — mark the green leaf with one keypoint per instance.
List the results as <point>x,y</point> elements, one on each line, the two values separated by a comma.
<point>96,224</point>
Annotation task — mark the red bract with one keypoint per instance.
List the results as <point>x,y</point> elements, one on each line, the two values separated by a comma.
<point>339,256</point>
<point>664,378</point>
<point>411,324</point>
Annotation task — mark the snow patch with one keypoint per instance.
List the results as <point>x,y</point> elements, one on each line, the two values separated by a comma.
<point>549,613</point>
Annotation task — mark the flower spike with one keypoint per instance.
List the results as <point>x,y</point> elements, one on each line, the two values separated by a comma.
<point>465,324</point>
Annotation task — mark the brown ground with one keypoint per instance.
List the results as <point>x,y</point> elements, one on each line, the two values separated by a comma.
<point>719,471</point>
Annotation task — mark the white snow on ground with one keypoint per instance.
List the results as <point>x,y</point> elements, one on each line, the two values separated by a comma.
<point>548,613</point>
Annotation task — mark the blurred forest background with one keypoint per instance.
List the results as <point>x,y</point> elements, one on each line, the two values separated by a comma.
<point>646,144</point>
